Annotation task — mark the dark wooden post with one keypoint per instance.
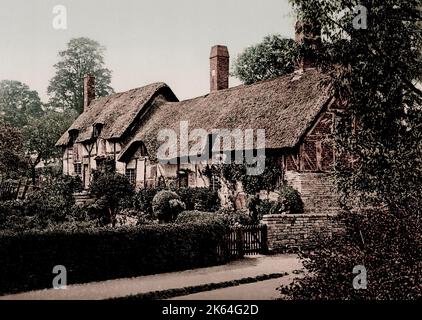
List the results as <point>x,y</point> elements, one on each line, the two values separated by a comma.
<point>264,239</point>
<point>239,241</point>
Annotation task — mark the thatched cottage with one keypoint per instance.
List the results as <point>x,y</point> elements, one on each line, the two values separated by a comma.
<point>296,111</point>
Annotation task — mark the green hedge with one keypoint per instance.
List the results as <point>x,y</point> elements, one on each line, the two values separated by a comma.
<point>27,259</point>
<point>199,217</point>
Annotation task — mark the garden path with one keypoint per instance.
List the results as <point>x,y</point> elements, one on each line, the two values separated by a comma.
<point>248,267</point>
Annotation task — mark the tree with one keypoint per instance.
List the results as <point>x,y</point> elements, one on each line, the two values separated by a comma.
<point>375,72</point>
<point>41,135</point>
<point>18,103</point>
<point>12,156</point>
<point>273,57</point>
<point>110,189</point>
<point>82,56</point>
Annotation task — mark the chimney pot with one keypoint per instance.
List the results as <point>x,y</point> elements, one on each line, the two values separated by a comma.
<point>220,68</point>
<point>89,90</point>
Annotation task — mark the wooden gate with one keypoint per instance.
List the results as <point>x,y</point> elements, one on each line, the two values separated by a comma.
<point>247,240</point>
<point>14,189</point>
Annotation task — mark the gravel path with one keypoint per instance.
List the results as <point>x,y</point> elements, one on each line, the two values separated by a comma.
<point>263,290</point>
<point>248,267</point>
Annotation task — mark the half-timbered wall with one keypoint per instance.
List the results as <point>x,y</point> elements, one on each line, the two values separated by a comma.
<point>316,152</point>
<point>308,168</point>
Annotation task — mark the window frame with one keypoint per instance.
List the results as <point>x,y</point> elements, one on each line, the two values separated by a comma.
<point>77,165</point>
<point>130,174</point>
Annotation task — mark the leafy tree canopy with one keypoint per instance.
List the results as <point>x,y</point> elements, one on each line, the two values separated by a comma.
<point>18,103</point>
<point>374,73</point>
<point>273,57</point>
<point>41,135</point>
<point>12,156</point>
<point>82,56</point>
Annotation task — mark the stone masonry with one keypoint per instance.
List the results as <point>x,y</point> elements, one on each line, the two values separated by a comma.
<point>290,232</point>
<point>317,191</point>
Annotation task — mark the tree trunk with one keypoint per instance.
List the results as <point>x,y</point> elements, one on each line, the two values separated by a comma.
<point>33,175</point>
<point>112,217</point>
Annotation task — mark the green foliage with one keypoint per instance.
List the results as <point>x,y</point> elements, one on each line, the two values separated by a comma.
<point>18,104</point>
<point>376,71</point>
<point>110,189</point>
<point>39,129</point>
<point>94,254</point>
<point>12,156</point>
<point>142,200</point>
<point>273,57</point>
<point>234,218</point>
<point>53,200</point>
<point>223,216</point>
<point>166,205</point>
<point>41,134</point>
<point>19,223</point>
<point>385,243</point>
<point>83,56</point>
<point>289,201</point>
<point>199,217</point>
<point>199,198</point>
<point>258,208</point>
<point>9,208</point>
<point>252,184</point>
<point>52,203</point>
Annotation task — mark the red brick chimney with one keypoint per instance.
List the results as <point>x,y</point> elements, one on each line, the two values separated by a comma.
<point>308,35</point>
<point>219,65</point>
<point>89,90</point>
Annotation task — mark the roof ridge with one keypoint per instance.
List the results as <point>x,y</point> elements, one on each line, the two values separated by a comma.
<point>293,75</point>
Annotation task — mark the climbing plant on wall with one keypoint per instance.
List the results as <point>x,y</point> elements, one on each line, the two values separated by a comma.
<point>269,180</point>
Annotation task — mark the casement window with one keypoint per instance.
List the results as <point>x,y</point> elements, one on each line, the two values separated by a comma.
<point>130,174</point>
<point>77,167</point>
<point>76,154</point>
<point>97,130</point>
<point>73,135</point>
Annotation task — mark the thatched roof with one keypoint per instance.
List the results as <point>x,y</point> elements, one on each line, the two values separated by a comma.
<point>116,113</point>
<point>284,107</point>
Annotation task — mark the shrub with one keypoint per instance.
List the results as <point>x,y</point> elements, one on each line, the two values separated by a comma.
<point>142,200</point>
<point>193,198</point>
<point>167,205</point>
<point>198,217</point>
<point>258,208</point>
<point>19,223</point>
<point>10,208</point>
<point>199,198</point>
<point>110,189</point>
<point>99,211</point>
<point>289,201</point>
<point>93,254</point>
<point>387,244</point>
<point>232,218</point>
<point>53,200</point>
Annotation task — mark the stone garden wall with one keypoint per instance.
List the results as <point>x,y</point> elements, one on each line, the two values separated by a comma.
<point>289,232</point>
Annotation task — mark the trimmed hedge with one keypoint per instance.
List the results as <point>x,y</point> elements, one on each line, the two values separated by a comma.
<point>198,217</point>
<point>27,259</point>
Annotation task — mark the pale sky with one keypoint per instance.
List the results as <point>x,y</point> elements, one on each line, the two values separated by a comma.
<point>147,41</point>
